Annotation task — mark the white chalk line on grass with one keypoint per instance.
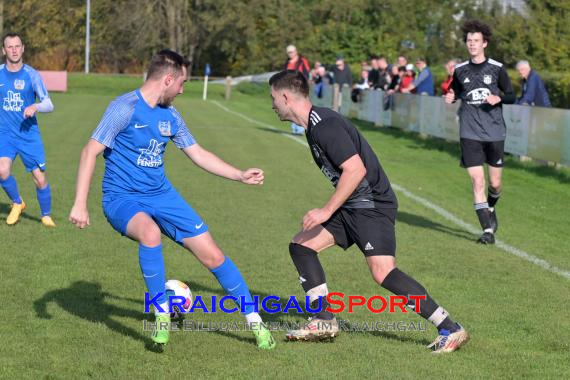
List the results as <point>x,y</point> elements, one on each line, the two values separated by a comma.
<point>428,204</point>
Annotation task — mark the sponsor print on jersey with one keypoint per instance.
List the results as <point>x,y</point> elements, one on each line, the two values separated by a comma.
<point>150,157</point>
<point>13,102</point>
<point>477,96</point>
<point>164,128</point>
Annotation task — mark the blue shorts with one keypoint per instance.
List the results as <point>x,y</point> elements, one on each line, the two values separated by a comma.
<point>31,151</point>
<point>175,218</point>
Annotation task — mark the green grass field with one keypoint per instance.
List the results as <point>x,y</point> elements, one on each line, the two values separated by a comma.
<point>72,300</point>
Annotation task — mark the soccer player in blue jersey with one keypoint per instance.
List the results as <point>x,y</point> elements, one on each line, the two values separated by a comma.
<point>20,86</point>
<point>139,201</point>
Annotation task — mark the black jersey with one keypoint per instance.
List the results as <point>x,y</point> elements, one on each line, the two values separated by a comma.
<point>472,83</point>
<point>332,140</point>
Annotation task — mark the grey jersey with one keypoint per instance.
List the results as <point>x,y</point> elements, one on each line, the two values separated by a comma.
<point>472,83</point>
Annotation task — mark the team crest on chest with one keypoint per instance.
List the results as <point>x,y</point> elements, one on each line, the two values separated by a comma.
<point>19,84</point>
<point>487,79</point>
<point>164,128</point>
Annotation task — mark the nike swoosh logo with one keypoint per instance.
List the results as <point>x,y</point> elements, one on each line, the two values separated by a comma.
<point>198,226</point>
<point>154,275</point>
<point>41,165</point>
<point>234,288</point>
<point>137,126</point>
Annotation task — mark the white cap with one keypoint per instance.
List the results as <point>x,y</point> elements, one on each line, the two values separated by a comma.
<point>291,48</point>
<point>409,66</point>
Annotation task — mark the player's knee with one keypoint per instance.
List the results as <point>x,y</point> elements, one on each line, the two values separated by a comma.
<point>495,185</point>
<point>379,273</point>
<point>4,172</point>
<point>150,235</point>
<point>213,260</point>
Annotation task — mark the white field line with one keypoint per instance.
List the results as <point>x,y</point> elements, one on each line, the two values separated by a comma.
<point>435,208</point>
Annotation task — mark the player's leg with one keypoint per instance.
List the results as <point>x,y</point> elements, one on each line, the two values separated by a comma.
<point>182,224</point>
<point>205,249</point>
<point>142,228</point>
<point>33,157</point>
<point>8,182</point>
<point>304,249</point>
<point>495,160</point>
<point>131,218</point>
<point>473,158</point>
<point>43,194</point>
<point>376,237</point>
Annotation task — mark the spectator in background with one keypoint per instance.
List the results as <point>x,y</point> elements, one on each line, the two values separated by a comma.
<point>533,90</point>
<point>407,79</point>
<point>396,75</point>
<point>341,72</point>
<point>402,61</point>
<point>314,71</point>
<point>356,94</point>
<point>383,77</point>
<point>322,78</point>
<point>374,73</point>
<point>449,67</point>
<point>423,84</point>
<point>296,62</point>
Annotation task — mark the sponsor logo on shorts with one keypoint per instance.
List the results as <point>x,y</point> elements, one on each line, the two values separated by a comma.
<point>198,226</point>
<point>368,247</point>
<point>499,162</point>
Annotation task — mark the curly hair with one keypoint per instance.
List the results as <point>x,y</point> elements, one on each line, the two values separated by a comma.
<point>476,26</point>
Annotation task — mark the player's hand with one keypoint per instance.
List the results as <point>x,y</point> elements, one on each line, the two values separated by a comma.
<point>315,217</point>
<point>252,176</point>
<point>79,216</point>
<point>30,111</point>
<point>449,97</point>
<point>493,99</point>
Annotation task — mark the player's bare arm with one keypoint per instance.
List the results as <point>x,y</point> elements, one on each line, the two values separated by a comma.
<point>79,214</point>
<point>353,171</point>
<point>215,165</point>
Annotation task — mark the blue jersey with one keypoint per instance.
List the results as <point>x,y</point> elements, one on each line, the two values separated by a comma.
<point>19,90</point>
<point>136,136</point>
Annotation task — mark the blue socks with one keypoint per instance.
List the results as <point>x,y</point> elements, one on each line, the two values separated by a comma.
<point>44,199</point>
<point>153,271</point>
<point>11,188</point>
<point>232,282</point>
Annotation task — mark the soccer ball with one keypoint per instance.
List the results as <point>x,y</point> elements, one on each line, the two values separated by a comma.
<point>178,288</point>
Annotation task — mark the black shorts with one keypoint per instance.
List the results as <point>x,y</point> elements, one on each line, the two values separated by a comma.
<point>371,229</point>
<point>476,153</point>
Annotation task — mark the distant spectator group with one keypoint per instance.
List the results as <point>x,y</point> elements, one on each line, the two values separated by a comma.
<point>400,77</point>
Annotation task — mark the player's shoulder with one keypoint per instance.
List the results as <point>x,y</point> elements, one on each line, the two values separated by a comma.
<point>125,102</point>
<point>33,73</point>
<point>493,62</point>
<point>174,112</point>
<point>323,115</point>
<point>462,64</point>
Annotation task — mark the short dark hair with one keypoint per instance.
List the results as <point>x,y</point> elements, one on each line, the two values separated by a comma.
<point>476,26</point>
<point>11,35</point>
<point>164,61</point>
<point>291,80</point>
